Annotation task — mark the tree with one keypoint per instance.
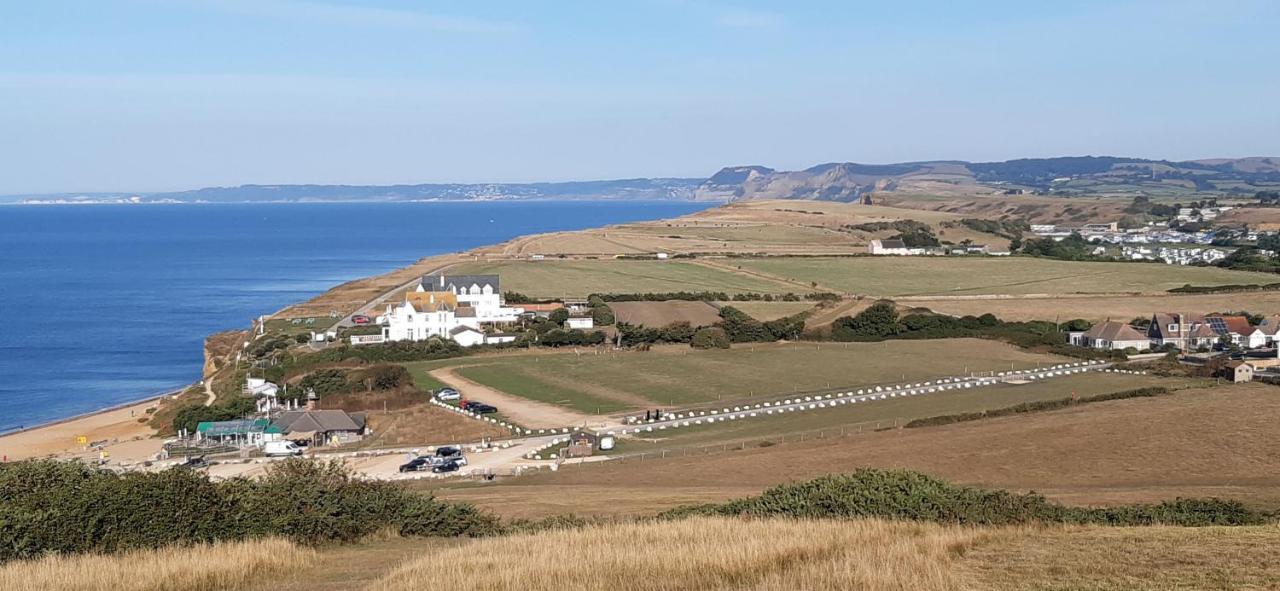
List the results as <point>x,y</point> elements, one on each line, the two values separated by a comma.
<point>874,323</point>
<point>559,316</point>
<point>711,337</point>
<point>602,315</point>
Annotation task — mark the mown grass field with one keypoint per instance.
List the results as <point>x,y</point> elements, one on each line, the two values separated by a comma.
<point>579,278</point>
<point>1200,442</point>
<point>917,276</point>
<point>898,411</point>
<point>608,382</point>
<point>1101,308</point>
<point>766,311</point>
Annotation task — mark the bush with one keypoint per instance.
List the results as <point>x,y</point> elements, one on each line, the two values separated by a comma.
<point>711,337</point>
<point>903,494</point>
<point>189,417</point>
<point>65,507</point>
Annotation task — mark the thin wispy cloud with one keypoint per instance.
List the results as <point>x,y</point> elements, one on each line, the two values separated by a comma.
<point>346,14</point>
<point>748,19</point>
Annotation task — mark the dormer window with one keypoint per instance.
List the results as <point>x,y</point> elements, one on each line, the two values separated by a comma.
<point>1173,328</point>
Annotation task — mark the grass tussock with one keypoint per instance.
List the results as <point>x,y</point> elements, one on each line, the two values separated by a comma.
<point>215,567</point>
<point>702,553</point>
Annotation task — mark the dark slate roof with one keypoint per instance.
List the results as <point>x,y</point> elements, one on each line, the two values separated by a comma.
<point>457,330</point>
<point>319,420</point>
<point>892,244</point>
<point>442,282</point>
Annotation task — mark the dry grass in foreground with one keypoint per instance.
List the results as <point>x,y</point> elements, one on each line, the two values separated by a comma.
<point>217,567</point>
<point>868,555</point>
<point>703,554</point>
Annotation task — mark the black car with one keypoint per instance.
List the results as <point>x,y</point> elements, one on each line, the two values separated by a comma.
<point>445,467</point>
<point>196,462</point>
<point>448,452</point>
<point>415,465</point>
<point>482,408</point>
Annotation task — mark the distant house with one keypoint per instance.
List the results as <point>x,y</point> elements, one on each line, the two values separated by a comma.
<point>448,307</point>
<point>580,321</point>
<point>1184,331</point>
<point>1112,336</point>
<point>1270,328</point>
<point>1237,330</point>
<point>1238,371</point>
<point>892,247</point>
<point>320,427</point>
<point>239,433</point>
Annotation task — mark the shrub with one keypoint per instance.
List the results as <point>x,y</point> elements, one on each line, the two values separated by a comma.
<point>903,494</point>
<point>711,337</point>
<point>64,507</point>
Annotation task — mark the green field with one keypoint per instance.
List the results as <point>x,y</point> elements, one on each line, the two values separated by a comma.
<point>900,410</point>
<point>908,276</point>
<point>679,376</point>
<point>579,278</point>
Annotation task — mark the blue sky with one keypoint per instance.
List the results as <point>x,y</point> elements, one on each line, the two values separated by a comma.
<point>117,95</point>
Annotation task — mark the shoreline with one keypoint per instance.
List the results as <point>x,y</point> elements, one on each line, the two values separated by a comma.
<point>95,419</point>
<point>84,415</point>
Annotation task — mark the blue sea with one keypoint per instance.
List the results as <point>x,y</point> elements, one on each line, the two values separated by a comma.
<point>106,304</point>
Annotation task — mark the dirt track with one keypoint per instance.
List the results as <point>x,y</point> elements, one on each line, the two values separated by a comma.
<point>531,414</point>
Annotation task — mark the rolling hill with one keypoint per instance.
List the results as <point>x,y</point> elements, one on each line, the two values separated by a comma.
<point>1073,175</point>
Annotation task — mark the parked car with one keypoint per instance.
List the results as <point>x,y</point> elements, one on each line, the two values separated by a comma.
<point>449,466</point>
<point>448,451</point>
<point>196,463</point>
<point>448,394</point>
<point>360,319</point>
<point>281,448</point>
<point>416,465</point>
<point>483,408</point>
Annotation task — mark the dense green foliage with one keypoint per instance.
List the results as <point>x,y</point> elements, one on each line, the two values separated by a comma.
<point>711,337</point>
<point>881,321</point>
<point>344,381</point>
<point>1038,406</point>
<point>903,494</point>
<point>1225,288</point>
<point>1071,248</point>
<point>1249,258</point>
<point>64,507</point>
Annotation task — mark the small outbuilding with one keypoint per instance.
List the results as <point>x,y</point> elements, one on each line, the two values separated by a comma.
<point>581,445</point>
<point>1238,371</point>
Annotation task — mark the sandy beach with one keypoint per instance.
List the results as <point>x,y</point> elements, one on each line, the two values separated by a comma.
<point>128,439</point>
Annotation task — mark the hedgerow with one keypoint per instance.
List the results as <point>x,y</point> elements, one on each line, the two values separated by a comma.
<point>903,494</point>
<point>1037,406</point>
<point>65,507</point>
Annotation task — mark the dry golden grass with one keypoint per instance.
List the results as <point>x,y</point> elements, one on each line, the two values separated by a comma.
<point>702,554</point>
<point>231,565</point>
<point>1131,558</point>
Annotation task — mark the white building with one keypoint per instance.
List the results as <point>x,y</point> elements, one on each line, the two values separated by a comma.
<point>893,247</point>
<point>449,307</point>
<point>580,322</point>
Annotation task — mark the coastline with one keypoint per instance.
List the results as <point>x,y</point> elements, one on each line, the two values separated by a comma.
<point>57,437</point>
<point>84,415</point>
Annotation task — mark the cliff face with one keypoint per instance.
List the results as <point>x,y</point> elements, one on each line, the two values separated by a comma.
<point>220,350</point>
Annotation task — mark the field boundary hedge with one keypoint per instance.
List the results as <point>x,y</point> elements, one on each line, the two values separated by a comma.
<point>1039,406</point>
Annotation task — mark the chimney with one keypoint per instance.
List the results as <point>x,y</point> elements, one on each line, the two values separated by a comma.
<point>312,399</point>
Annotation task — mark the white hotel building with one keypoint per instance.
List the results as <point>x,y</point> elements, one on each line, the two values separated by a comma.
<point>454,307</point>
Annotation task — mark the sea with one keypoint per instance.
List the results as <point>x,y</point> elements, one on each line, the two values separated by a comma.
<point>102,305</point>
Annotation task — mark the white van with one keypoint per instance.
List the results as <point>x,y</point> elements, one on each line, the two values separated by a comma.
<point>281,448</point>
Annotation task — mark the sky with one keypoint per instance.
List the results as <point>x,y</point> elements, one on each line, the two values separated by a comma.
<point>155,95</point>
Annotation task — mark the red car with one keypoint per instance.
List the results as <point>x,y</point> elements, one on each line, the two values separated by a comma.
<point>360,319</point>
